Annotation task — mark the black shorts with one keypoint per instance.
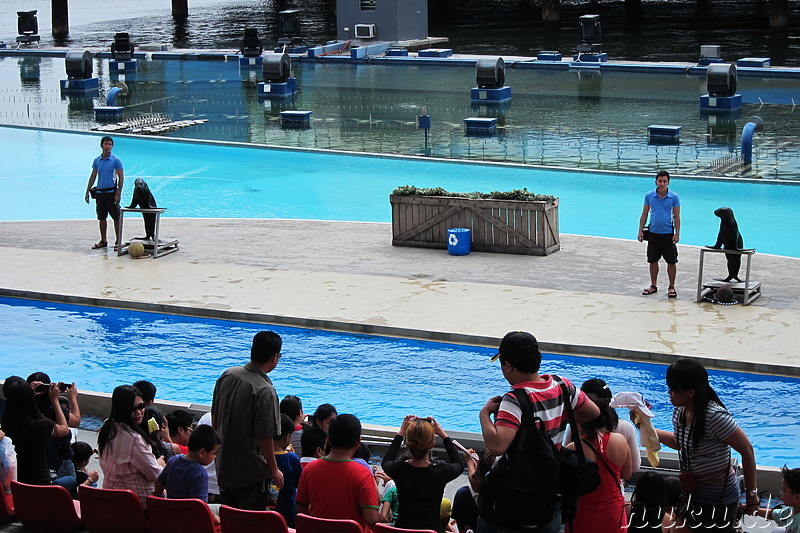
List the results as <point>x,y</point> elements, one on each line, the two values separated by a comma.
<point>107,206</point>
<point>660,245</point>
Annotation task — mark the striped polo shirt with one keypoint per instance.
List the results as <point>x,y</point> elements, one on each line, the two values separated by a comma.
<point>710,462</point>
<point>547,402</point>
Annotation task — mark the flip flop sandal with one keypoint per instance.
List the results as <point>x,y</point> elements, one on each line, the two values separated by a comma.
<point>101,244</point>
<point>652,289</point>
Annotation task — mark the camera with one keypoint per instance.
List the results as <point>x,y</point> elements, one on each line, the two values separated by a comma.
<point>63,387</point>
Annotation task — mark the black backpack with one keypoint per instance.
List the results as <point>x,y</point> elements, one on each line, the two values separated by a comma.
<point>521,491</point>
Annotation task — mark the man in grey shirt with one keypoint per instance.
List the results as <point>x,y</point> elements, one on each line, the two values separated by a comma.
<point>246,415</point>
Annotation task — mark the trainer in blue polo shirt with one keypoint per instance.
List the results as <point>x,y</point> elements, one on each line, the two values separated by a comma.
<point>664,208</point>
<point>107,170</point>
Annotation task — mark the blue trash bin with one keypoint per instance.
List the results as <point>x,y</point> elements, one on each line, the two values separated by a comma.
<point>458,241</point>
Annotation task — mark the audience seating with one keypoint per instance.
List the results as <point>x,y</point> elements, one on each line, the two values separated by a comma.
<point>6,507</point>
<point>111,510</point>
<point>310,524</point>
<point>46,507</point>
<point>180,516</point>
<point>242,521</point>
<point>386,528</point>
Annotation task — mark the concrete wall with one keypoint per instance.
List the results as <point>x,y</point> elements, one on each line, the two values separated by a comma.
<point>395,20</point>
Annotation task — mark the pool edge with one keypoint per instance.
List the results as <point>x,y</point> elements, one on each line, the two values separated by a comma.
<point>401,332</point>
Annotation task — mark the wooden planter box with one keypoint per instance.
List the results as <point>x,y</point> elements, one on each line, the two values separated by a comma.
<point>506,226</point>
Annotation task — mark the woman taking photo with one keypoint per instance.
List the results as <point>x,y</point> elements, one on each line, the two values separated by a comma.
<point>704,433</point>
<point>30,430</point>
<point>420,482</point>
<point>125,450</point>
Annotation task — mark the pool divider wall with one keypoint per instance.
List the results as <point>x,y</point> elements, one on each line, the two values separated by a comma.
<point>408,333</point>
<point>464,61</point>
<point>378,438</point>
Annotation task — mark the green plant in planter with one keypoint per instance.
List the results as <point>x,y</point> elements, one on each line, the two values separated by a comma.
<point>523,195</point>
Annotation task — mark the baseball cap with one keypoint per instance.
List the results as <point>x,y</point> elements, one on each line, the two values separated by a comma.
<point>517,343</point>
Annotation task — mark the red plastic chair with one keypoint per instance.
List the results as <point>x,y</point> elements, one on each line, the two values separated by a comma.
<point>6,506</point>
<point>180,516</point>
<point>46,507</point>
<point>386,528</point>
<point>304,523</point>
<point>242,521</point>
<point>114,510</point>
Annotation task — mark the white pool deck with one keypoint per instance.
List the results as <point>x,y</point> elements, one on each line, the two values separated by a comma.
<point>586,298</point>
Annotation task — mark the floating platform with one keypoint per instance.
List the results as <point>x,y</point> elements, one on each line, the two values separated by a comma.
<point>123,66</point>
<point>663,134</point>
<point>501,95</point>
<point>80,86</point>
<point>480,126</point>
<point>710,103</point>
<point>251,62</point>
<point>295,119</point>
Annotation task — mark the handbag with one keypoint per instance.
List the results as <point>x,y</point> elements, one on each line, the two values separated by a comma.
<point>577,476</point>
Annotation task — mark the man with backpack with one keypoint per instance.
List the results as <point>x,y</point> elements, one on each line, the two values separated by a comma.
<point>546,410</point>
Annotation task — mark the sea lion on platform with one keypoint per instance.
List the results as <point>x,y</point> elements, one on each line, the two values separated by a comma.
<point>729,238</point>
<point>143,199</point>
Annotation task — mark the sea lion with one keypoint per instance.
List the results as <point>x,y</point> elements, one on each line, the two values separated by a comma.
<point>143,199</point>
<point>729,238</point>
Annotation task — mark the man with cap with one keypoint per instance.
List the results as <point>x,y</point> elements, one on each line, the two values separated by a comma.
<point>520,359</point>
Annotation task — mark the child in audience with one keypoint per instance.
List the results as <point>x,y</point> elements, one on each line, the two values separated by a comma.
<point>289,464</point>
<point>648,503</point>
<point>82,452</point>
<point>147,391</point>
<point>180,424</point>
<point>155,425</point>
<point>323,416</point>
<point>673,490</point>
<point>292,407</point>
<point>362,456</point>
<point>788,517</point>
<point>313,441</point>
<point>185,476</point>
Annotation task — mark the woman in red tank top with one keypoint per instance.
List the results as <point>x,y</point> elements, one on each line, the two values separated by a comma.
<point>603,511</point>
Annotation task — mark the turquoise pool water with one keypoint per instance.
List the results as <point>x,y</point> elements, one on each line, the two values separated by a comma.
<point>221,181</point>
<point>379,379</point>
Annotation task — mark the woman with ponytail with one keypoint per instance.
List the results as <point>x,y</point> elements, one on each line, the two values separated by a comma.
<point>704,433</point>
<point>420,482</point>
<point>603,510</point>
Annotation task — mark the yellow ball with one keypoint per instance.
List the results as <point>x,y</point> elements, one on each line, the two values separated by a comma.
<point>136,249</point>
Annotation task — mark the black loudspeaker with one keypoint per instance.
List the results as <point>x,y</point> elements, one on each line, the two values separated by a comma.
<point>78,64</point>
<point>27,23</point>
<point>721,79</point>
<point>276,68</point>
<point>490,73</point>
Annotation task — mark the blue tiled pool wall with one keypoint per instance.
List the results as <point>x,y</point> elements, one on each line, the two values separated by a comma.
<point>379,379</point>
<point>576,118</point>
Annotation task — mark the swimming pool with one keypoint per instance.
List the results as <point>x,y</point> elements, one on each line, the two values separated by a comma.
<point>221,181</point>
<point>377,378</point>
<point>577,118</point>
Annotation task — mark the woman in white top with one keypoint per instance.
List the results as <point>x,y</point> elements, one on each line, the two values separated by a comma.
<point>126,455</point>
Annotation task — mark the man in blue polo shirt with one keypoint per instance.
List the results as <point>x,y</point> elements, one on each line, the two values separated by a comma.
<point>107,169</point>
<point>664,208</point>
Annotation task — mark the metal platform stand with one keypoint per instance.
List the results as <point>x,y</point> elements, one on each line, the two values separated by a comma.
<point>157,247</point>
<point>748,290</point>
